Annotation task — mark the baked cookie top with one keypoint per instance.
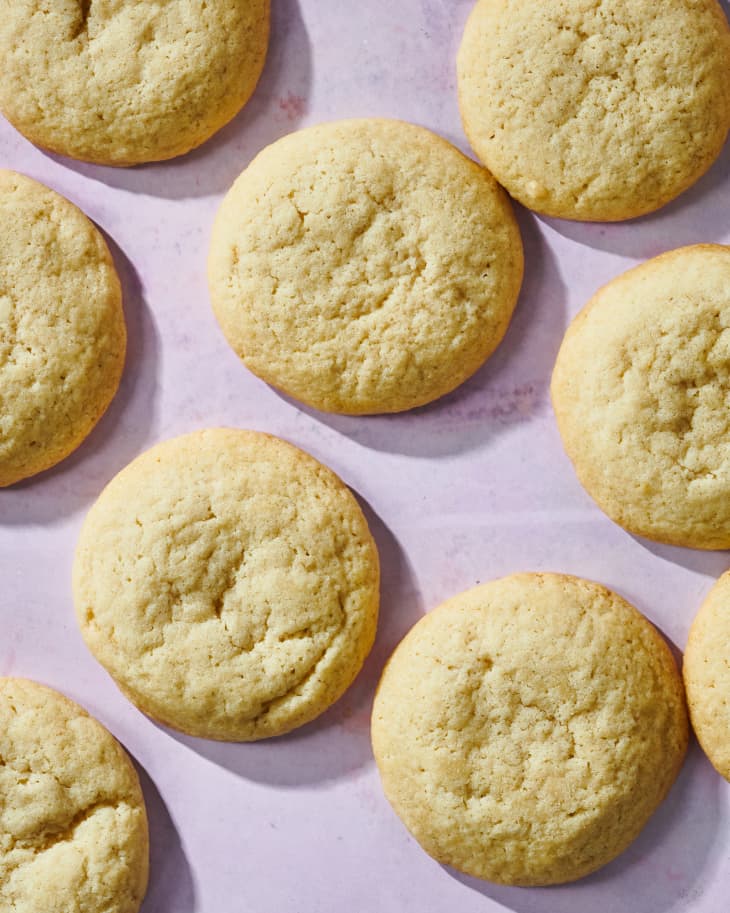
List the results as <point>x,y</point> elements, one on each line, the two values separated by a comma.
<point>122,81</point>
<point>641,389</point>
<point>73,825</point>
<point>595,109</point>
<point>364,266</point>
<point>707,675</point>
<point>229,583</point>
<point>62,333</point>
<point>526,730</point>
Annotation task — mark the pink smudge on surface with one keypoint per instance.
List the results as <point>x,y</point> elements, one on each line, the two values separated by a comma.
<point>514,404</point>
<point>292,105</point>
<point>357,721</point>
<point>369,797</point>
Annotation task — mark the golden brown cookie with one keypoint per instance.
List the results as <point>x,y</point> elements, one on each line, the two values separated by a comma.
<point>229,583</point>
<point>121,81</point>
<point>73,825</point>
<point>62,332</point>
<point>640,390</point>
<point>527,729</point>
<point>596,110</point>
<point>364,266</point>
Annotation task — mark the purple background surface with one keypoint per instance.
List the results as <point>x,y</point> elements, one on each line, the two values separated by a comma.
<point>473,487</point>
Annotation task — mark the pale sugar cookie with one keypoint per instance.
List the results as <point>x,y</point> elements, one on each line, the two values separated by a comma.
<point>527,729</point>
<point>596,110</point>
<point>707,675</point>
<point>120,82</point>
<point>229,583</point>
<point>73,825</point>
<point>364,266</point>
<point>641,389</point>
<point>62,332</point>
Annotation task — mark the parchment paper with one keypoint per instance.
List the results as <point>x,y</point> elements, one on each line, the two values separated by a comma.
<point>473,487</point>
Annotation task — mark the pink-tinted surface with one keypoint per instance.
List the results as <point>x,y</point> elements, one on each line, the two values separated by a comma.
<point>471,488</point>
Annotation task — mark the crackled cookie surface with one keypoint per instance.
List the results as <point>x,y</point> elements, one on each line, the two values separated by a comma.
<point>62,332</point>
<point>641,389</point>
<point>526,730</point>
<point>707,675</point>
<point>364,266</point>
<point>596,109</point>
<point>73,826</point>
<point>229,583</point>
<point>125,81</point>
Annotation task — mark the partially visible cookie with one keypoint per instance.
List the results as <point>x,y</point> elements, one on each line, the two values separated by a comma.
<point>364,266</point>
<point>229,583</point>
<point>641,388</point>
<point>707,675</point>
<point>527,729</point>
<point>596,110</point>
<point>125,82</point>
<point>73,825</point>
<point>62,332</point>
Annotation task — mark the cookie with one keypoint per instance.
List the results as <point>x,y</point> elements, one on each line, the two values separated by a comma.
<point>640,391</point>
<point>364,266</point>
<point>595,110</point>
<point>229,583</point>
<point>707,675</point>
<point>73,825</point>
<point>526,730</point>
<point>62,333</point>
<point>120,82</point>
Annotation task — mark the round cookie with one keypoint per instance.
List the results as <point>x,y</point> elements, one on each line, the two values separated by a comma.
<point>595,110</point>
<point>73,825</point>
<point>640,390</point>
<point>229,583</point>
<point>120,82</point>
<point>526,730</point>
<point>364,266</point>
<point>707,675</point>
<point>62,333</point>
